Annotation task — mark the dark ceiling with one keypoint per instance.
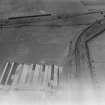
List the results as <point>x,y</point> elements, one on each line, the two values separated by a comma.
<point>26,7</point>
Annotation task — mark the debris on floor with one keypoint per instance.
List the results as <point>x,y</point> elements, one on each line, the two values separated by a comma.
<point>29,76</point>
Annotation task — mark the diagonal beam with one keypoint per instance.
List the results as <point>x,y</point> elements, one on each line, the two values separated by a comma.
<point>81,43</point>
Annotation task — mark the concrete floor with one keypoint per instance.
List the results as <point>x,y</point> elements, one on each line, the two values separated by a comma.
<point>49,45</point>
<point>45,45</point>
<point>42,45</point>
<point>35,44</point>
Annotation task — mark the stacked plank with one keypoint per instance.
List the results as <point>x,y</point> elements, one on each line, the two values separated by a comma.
<point>24,76</point>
